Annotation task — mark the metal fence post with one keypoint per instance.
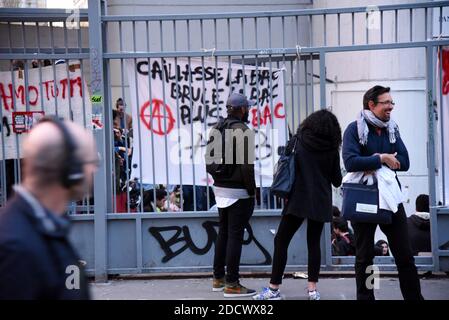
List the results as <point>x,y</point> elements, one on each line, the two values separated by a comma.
<point>98,110</point>
<point>327,226</point>
<point>431,154</point>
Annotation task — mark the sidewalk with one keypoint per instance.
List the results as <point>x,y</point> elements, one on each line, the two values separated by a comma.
<point>331,288</point>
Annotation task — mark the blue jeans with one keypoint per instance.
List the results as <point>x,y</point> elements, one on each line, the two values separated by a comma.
<point>268,200</point>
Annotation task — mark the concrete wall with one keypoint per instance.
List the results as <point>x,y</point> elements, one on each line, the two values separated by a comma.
<point>30,36</point>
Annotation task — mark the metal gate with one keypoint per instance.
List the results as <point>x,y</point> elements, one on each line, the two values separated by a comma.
<point>135,241</point>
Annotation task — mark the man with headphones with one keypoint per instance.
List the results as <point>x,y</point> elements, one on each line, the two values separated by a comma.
<point>37,261</point>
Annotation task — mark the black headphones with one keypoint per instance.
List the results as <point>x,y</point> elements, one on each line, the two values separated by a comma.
<point>72,171</point>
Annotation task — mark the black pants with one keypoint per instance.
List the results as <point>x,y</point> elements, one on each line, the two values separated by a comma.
<point>397,235</point>
<point>287,228</point>
<point>228,248</point>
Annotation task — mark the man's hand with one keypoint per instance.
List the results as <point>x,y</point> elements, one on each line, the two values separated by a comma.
<point>390,160</point>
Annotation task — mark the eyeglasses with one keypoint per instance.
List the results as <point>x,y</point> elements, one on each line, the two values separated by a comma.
<point>386,103</point>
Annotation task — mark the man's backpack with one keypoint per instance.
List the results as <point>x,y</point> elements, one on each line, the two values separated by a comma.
<point>218,169</point>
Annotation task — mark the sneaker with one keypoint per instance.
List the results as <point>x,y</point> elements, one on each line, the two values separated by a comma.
<point>314,295</point>
<point>236,290</point>
<point>268,294</point>
<point>218,285</point>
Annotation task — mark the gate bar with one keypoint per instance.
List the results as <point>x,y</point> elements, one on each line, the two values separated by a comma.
<point>98,87</point>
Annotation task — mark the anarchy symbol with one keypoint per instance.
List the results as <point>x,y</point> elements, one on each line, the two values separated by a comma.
<point>154,120</point>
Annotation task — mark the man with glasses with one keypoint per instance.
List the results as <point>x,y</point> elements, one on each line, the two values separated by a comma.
<point>370,142</point>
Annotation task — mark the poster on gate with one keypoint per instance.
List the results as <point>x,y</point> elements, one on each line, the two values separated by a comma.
<point>56,89</point>
<point>174,112</point>
<point>23,122</point>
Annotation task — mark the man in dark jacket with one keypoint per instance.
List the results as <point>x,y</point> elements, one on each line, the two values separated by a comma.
<point>37,260</point>
<point>234,191</point>
<point>419,226</point>
<point>368,143</point>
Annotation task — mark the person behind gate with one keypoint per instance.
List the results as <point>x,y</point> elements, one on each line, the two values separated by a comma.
<point>317,167</point>
<point>230,161</point>
<point>370,142</point>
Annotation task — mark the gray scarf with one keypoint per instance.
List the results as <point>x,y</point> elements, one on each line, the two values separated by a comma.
<point>365,117</point>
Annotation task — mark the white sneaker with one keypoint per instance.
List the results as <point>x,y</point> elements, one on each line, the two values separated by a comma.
<point>314,295</point>
<point>268,294</point>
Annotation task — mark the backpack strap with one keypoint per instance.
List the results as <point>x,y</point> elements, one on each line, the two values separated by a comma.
<point>291,145</point>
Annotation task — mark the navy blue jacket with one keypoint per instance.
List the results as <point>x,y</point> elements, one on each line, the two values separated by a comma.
<point>361,158</point>
<point>33,260</point>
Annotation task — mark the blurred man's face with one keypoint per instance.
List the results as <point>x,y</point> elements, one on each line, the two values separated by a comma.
<point>383,108</point>
<point>117,134</point>
<point>116,122</point>
<point>120,108</point>
<point>160,203</point>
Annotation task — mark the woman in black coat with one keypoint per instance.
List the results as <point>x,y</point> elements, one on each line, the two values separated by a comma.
<point>317,163</point>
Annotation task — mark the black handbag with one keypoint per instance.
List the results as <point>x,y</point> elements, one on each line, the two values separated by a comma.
<point>284,175</point>
<point>361,203</point>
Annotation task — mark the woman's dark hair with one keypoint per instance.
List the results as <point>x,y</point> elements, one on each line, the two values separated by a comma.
<point>372,95</point>
<point>324,125</point>
<point>422,203</point>
<point>148,199</point>
<point>115,114</point>
<point>161,194</point>
<point>378,248</point>
<point>335,211</point>
<point>340,223</point>
<point>381,242</point>
<point>119,102</point>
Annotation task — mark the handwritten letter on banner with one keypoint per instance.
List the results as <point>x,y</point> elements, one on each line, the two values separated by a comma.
<point>54,92</point>
<point>176,119</point>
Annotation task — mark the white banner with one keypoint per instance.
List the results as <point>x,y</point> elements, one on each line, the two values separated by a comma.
<point>177,121</point>
<point>63,93</point>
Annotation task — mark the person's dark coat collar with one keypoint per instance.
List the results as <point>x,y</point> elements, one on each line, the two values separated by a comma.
<point>46,222</point>
<point>420,223</point>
